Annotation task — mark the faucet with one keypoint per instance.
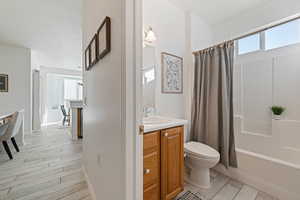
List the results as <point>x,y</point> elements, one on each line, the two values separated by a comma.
<point>147,111</point>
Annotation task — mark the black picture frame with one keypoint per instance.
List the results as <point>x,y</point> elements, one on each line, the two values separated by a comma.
<point>87,58</point>
<point>3,83</point>
<point>104,38</point>
<point>99,46</point>
<point>93,51</point>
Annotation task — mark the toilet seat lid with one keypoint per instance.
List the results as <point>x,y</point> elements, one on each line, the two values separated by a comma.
<point>201,150</point>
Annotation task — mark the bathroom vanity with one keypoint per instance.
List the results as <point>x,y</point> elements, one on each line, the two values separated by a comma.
<point>163,158</point>
<point>163,140</point>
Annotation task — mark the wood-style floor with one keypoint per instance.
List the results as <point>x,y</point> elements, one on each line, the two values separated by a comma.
<point>48,167</point>
<point>224,188</point>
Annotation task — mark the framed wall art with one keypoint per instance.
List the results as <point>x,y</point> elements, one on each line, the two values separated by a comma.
<point>99,46</point>
<point>3,83</point>
<point>91,54</point>
<point>94,50</point>
<point>172,73</point>
<point>87,58</point>
<point>104,38</point>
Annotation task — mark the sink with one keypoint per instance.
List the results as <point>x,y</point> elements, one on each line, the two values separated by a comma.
<point>155,120</point>
<point>154,123</point>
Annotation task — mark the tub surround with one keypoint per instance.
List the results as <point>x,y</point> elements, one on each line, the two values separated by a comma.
<point>265,174</point>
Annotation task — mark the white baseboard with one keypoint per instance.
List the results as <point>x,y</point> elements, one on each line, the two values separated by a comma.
<point>90,186</point>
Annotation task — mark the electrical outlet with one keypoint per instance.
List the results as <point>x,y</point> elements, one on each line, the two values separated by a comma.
<point>99,160</point>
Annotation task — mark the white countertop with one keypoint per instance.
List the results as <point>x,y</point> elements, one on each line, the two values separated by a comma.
<point>76,104</point>
<point>154,123</point>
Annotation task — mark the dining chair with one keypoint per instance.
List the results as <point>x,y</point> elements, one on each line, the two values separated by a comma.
<point>67,117</point>
<point>3,128</point>
<point>8,132</point>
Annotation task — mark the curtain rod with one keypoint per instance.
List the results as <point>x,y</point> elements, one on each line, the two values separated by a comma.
<point>251,33</point>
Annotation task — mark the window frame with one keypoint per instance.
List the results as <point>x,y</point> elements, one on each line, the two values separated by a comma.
<point>261,36</point>
<point>262,40</point>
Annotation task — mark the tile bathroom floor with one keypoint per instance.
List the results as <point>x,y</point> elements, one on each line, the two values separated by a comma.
<point>48,167</point>
<point>224,188</point>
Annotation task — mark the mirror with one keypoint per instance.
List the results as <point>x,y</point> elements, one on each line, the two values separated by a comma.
<point>149,80</point>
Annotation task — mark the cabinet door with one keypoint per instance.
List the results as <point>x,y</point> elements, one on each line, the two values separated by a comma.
<point>152,166</point>
<point>171,162</point>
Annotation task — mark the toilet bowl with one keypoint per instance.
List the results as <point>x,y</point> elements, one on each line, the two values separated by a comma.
<point>199,159</point>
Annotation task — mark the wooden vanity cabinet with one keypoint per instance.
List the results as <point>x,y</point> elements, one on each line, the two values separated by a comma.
<point>152,166</point>
<point>172,162</point>
<point>163,164</point>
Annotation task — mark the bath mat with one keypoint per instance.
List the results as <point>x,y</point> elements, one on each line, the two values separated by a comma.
<point>189,196</point>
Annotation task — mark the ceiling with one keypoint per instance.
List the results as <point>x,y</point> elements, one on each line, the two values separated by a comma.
<point>51,28</point>
<point>217,11</point>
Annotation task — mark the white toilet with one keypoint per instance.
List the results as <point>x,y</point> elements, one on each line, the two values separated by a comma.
<point>199,159</point>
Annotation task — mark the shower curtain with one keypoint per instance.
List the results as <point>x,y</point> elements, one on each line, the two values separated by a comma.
<point>212,106</point>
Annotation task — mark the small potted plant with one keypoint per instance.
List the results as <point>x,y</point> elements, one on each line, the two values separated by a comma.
<point>277,111</point>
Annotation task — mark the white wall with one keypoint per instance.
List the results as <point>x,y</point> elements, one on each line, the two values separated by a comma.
<point>104,143</point>
<point>178,32</point>
<point>252,19</point>
<point>15,61</point>
<point>263,79</point>
<point>168,23</point>
<point>201,33</point>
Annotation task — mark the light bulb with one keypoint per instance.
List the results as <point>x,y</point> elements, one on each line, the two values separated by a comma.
<point>150,36</point>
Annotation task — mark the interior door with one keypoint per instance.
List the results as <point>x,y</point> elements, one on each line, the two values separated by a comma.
<point>172,161</point>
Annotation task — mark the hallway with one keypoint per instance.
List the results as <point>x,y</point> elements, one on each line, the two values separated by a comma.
<point>47,167</point>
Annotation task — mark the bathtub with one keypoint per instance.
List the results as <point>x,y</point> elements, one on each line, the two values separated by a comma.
<point>276,177</point>
<point>270,163</point>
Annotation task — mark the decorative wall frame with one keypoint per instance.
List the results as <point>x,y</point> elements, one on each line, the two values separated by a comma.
<point>87,58</point>
<point>91,54</point>
<point>99,46</point>
<point>104,38</point>
<point>3,83</point>
<point>93,50</point>
<point>172,73</point>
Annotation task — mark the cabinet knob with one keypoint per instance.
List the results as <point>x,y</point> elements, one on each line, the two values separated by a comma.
<point>147,171</point>
<point>166,134</point>
<point>141,129</point>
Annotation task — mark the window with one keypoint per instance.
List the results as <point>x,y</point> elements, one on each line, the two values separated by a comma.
<point>55,95</point>
<point>249,44</point>
<point>72,89</point>
<point>278,36</point>
<point>283,35</point>
<point>149,75</point>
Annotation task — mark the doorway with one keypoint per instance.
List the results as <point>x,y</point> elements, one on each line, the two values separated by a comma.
<point>60,90</point>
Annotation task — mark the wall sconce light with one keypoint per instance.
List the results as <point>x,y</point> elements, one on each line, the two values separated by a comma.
<point>149,36</point>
